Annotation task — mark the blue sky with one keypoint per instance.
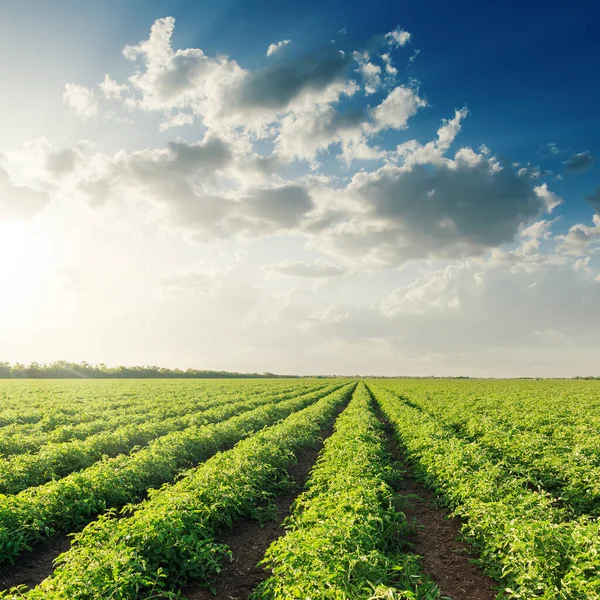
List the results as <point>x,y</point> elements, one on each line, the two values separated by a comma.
<point>524,69</point>
<point>350,260</point>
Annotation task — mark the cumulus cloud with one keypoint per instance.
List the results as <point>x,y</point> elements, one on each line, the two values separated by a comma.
<point>472,307</point>
<point>579,162</point>
<point>400,104</point>
<point>275,102</point>
<point>223,94</point>
<point>371,74</point>
<point>208,189</point>
<point>81,100</point>
<point>111,88</point>
<point>305,133</point>
<point>532,235</point>
<point>316,269</point>
<point>413,153</point>
<point>581,239</point>
<point>19,201</point>
<point>277,47</point>
<point>455,207</point>
<point>177,120</point>
<point>398,37</point>
<point>550,199</point>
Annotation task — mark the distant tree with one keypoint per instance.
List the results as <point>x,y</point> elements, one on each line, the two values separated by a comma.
<point>67,370</point>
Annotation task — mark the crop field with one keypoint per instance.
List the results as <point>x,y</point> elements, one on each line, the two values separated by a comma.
<point>306,489</point>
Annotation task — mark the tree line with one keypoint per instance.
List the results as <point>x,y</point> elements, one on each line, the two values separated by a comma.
<point>67,370</point>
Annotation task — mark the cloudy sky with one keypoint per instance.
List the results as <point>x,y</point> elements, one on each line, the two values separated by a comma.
<point>301,187</point>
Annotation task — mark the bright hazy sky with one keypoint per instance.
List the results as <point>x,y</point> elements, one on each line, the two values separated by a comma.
<point>301,187</point>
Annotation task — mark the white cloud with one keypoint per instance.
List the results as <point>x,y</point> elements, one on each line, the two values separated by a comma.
<point>266,103</point>
<point>371,74</point>
<point>316,269</point>
<point>277,47</point>
<point>19,201</point>
<point>303,134</point>
<point>389,67</point>
<point>400,104</point>
<point>398,37</point>
<point>581,239</point>
<point>177,120</point>
<point>111,89</point>
<point>439,209</point>
<point>532,235</point>
<point>413,57</point>
<point>413,153</point>
<point>550,199</point>
<point>479,308</point>
<point>81,100</point>
<point>579,162</point>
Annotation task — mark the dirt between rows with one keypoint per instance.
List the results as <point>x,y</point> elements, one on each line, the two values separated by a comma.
<point>32,567</point>
<point>436,537</point>
<point>248,541</point>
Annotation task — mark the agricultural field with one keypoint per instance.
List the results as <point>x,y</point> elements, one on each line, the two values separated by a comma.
<point>279,489</point>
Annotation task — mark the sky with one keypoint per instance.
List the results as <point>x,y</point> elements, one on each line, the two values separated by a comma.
<point>302,188</point>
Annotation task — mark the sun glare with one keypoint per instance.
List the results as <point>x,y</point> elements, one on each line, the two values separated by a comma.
<point>25,263</point>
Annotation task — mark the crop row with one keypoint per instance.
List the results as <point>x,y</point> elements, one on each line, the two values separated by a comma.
<point>570,470</point>
<point>345,536</point>
<point>69,503</point>
<point>56,460</point>
<point>521,534</point>
<point>171,535</point>
<point>66,419</point>
<point>562,459</point>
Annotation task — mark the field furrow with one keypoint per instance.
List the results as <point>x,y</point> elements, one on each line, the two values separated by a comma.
<point>55,461</point>
<point>171,535</point>
<point>68,503</point>
<point>346,537</point>
<point>522,536</point>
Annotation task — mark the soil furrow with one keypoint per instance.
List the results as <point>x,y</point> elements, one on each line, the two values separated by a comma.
<point>436,536</point>
<point>32,567</point>
<point>249,540</point>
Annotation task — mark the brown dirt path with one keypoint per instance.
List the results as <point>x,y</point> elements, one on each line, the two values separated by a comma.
<point>248,541</point>
<point>436,537</point>
<point>32,567</point>
<point>444,556</point>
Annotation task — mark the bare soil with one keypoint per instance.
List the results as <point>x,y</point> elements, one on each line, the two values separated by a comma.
<point>436,538</point>
<point>34,566</point>
<point>248,541</point>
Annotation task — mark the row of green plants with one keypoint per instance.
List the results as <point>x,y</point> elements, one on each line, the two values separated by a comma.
<point>553,441</point>
<point>522,534</point>
<point>171,536</point>
<point>70,502</point>
<point>44,405</point>
<point>346,536</point>
<point>56,460</point>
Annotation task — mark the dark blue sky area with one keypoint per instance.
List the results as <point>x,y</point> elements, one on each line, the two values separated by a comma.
<point>527,71</point>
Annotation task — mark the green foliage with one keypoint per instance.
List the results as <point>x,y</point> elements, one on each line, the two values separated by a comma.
<point>170,536</point>
<point>345,536</point>
<point>491,466</point>
<point>57,459</point>
<point>69,502</point>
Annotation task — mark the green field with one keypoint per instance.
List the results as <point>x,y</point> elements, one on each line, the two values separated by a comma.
<point>163,482</point>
